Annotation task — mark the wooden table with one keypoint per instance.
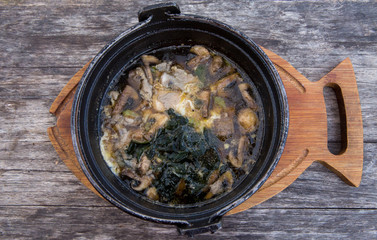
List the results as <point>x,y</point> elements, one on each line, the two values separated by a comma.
<point>43,44</point>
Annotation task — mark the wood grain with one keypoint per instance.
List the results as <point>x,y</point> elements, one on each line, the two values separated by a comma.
<point>44,43</point>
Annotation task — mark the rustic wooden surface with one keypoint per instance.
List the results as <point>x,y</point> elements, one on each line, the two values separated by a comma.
<point>44,43</point>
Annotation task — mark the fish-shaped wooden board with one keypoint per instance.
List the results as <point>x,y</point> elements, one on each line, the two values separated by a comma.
<point>307,134</point>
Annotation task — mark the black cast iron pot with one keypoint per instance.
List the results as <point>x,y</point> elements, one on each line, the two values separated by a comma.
<point>162,26</point>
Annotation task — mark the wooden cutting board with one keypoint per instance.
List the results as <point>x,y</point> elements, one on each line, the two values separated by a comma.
<point>307,135</point>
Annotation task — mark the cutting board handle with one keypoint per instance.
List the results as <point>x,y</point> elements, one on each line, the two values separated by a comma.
<point>348,167</point>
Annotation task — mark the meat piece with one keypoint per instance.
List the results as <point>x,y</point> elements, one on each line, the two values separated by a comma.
<point>157,104</point>
<point>223,127</point>
<point>177,79</point>
<point>164,66</point>
<point>169,98</point>
<point>126,94</point>
<point>167,80</point>
<point>248,119</point>
<point>124,138</point>
<point>244,89</point>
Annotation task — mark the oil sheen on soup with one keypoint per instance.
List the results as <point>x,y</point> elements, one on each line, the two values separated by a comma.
<point>182,127</point>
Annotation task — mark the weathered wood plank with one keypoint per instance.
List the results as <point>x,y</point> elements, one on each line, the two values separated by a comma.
<point>326,31</point>
<point>43,43</point>
<point>25,120</point>
<point>109,223</point>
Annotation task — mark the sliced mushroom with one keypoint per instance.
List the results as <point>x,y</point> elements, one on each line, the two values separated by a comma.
<point>199,50</point>
<point>145,181</point>
<point>147,60</point>
<point>146,87</point>
<point>126,94</point>
<point>238,161</point>
<point>213,177</point>
<point>202,55</point>
<point>134,78</point>
<point>152,193</point>
<point>216,64</point>
<point>224,183</point>
<point>204,96</point>
<point>244,89</point>
<point>223,86</point>
<point>144,165</point>
<point>126,172</point>
<point>235,161</point>
<point>248,119</point>
<point>241,148</point>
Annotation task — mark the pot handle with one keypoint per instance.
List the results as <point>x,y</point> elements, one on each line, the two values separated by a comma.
<point>200,226</point>
<point>159,12</point>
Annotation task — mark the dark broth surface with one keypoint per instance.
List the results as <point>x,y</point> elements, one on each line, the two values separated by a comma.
<point>181,126</point>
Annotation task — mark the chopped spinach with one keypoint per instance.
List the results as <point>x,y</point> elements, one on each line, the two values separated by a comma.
<point>185,153</point>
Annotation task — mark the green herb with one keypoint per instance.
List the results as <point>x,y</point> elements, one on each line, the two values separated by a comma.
<point>201,73</point>
<point>219,101</point>
<point>130,114</point>
<point>153,69</point>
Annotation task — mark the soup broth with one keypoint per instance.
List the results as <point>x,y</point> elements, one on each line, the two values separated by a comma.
<point>181,126</point>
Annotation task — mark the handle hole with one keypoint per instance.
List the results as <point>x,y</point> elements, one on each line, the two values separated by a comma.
<point>336,119</point>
